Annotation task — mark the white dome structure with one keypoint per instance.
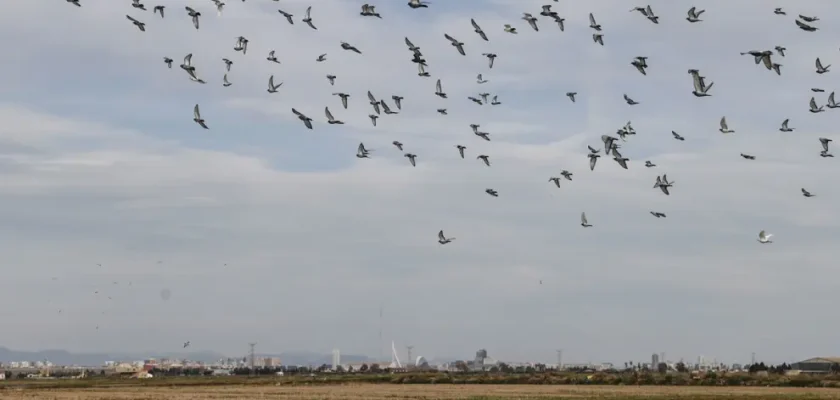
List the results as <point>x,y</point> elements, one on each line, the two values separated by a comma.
<point>421,362</point>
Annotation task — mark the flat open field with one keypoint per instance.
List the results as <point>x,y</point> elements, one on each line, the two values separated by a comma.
<point>426,392</point>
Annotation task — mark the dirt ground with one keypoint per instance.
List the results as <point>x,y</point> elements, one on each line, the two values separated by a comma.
<point>424,392</point>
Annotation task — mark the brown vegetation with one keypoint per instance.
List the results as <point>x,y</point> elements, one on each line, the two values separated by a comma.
<point>428,392</point>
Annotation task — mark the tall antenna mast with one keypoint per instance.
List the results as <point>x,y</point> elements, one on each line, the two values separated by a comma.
<point>252,358</point>
<point>408,360</point>
<point>380,334</point>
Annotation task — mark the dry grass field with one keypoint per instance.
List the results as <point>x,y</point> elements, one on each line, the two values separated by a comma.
<point>418,392</point>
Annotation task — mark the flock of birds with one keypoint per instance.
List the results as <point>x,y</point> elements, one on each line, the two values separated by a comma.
<point>701,87</point>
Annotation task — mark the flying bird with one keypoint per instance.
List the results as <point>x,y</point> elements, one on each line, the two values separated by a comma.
<point>397,101</point>
<point>813,106</point>
<point>461,149</point>
<point>75,2</point>
<point>362,152</point>
<point>805,27</point>
<point>510,29</point>
<point>824,142</point>
<point>694,15</point>
<point>531,21</point>
<point>194,15</point>
<point>272,88</point>
<point>344,97</point>
<point>490,58</point>
<point>167,61</point>
<point>747,156</point>
<point>556,181</point>
<point>630,101</point>
<point>592,24</point>
<point>724,127</point>
<point>764,237</point>
<point>677,136</point>
<point>484,158</point>
<point>158,9</point>
<point>820,68</point>
<point>307,18</point>
<point>186,344</point>
<point>439,90</point>
<point>321,58</point>
<point>288,16</point>
<point>411,158</point>
<point>831,102</point>
<point>373,102</point>
<point>138,4</point>
<point>807,193</point>
<point>571,96</point>
<point>785,127</point>
<point>398,145</point>
<point>331,78</point>
<point>225,81</point>
<point>271,57</point>
<point>598,38</point>
<point>458,45</point>
<point>700,87</point>
<point>658,214</point>
<point>649,164</point>
<point>306,120</point>
<point>347,46</point>
<point>480,79</point>
<point>368,11</point>
<point>640,63</point>
<point>418,4</point>
<point>443,239</point>
<point>583,221</point>
<point>140,25</point>
<point>478,30</point>
<point>330,119</point>
<point>492,192</point>
<point>373,118</point>
<point>197,117</point>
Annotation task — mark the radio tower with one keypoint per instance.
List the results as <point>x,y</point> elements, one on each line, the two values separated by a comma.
<point>408,360</point>
<point>380,333</point>
<point>252,358</point>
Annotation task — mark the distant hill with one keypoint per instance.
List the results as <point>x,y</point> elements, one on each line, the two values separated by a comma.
<point>63,357</point>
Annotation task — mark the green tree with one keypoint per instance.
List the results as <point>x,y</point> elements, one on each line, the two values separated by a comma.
<point>662,368</point>
<point>681,367</point>
<point>364,368</point>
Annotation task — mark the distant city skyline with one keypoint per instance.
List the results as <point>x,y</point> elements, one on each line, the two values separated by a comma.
<point>127,227</point>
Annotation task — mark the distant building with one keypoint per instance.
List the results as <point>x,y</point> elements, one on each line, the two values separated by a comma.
<point>818,365</point>
<point>654,361</point>
<point>336,358</point>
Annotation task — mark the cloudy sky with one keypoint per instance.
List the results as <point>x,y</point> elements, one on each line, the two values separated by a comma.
<point>265,231</point>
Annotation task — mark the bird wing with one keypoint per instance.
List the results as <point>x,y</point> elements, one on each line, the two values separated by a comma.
<point>409,44</point>
<point>362,148</point>
<point>450,38</point>
<point>438,87</point>
<point>474,24</point>
<point>196,112</point>
<point>329,114</point>
<point>188,59</point>
<point>831,99</point>
<point>583,216</point>
<point>440,235</point>
<point>691,13</point>
<point>698,83</point>
<point>308,11</point>
<point>132,19</point>
<point>370,96</point>
<point>803,25</point>
<point>226,79</point>
<point>814,104</point>
<point>190,10</point>
<point>271,82</point>
<point>723,124</point>
<point>592,19</point>
<point>298,113</point>
<point>785,123</point>
<point>761,235</point>
<point>592,161</point>
<point>818,63</point>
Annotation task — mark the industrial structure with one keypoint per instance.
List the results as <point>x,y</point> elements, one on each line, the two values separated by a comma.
<point>818,365</point>
<point>336,358</point>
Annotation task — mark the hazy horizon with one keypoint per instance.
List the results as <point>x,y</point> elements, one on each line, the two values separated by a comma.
<point>264,231</point>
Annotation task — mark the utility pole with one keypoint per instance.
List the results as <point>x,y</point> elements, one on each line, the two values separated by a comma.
<point>253,364</point>
<point>408,360</point>
<point>560,359</point>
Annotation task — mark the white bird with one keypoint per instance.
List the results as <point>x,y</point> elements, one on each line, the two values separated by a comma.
<point>225,81</point>
<point>764,237</point>
<point>583,221</point>
<point>814,108</point>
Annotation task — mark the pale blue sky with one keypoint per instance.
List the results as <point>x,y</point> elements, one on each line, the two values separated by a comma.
<point>102,163</point>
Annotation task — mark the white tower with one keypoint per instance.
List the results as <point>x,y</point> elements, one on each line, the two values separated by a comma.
<point>395,359</point>
<point>336,358</point>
